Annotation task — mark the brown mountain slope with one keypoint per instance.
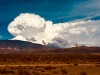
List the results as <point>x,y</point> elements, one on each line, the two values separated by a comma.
<point>15,46</point>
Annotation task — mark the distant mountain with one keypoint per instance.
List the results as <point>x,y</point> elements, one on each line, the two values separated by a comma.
<point>19,46</point>
<point>79,49</point>
<point>16,46</point>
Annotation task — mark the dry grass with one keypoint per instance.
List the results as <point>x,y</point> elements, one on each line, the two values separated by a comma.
<point>50,64</point>
<point>51,70</point>
<point>49,58</point>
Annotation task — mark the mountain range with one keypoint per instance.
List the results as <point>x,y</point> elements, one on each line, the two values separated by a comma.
<point>16,46</point>
<point>10,46</point>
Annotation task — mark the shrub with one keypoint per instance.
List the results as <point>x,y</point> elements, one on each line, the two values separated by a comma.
<point>75,64</point>
<point>48,67</point>
<point>5,71</point>
<point>55,72</point>
<point>35,73</point>
<point>23,72</point>
<point>90,67</point>
<point>97,65</point>
<point>83,73</point>
<point>64,71</point>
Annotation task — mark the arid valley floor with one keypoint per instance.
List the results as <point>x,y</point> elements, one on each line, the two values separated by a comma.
<point>49,64</point>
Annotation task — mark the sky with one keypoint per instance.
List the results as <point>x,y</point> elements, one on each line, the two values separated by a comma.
<point>53,10</point>
<point>56,11</point>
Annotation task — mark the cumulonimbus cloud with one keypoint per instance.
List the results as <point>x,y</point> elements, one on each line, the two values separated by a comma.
<point>33,28</point>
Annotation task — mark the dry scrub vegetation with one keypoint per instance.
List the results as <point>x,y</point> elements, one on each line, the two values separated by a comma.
<point>49,64</point>
<point>49,58</point>
<point>50,70</point>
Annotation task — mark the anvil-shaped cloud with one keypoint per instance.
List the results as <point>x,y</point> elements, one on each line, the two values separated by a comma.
<point>33,28</point>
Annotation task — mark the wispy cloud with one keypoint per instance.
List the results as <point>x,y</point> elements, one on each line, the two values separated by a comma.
<point>87,8</point>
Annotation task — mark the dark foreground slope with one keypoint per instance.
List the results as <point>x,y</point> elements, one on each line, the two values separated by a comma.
<point>19,44</point>
<point>9,46</point>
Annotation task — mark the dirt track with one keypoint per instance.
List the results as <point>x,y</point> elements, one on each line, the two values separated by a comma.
<point>48,65</point>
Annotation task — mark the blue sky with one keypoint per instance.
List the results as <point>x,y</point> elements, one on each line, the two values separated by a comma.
<point>55,10</point>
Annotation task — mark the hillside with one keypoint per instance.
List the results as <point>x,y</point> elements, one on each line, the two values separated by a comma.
<point>16,46</point>
<point>19,46</point>
<point>80,49</point>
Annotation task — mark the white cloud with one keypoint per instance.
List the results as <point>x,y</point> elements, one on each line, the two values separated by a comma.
<point>25,22</point>
<point>31,27</point>
<point>19,37</point>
